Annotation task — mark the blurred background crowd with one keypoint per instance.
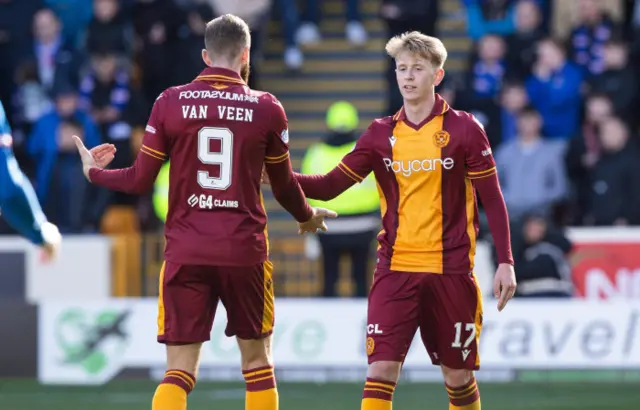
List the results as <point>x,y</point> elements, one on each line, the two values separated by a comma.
<point>554,82</point>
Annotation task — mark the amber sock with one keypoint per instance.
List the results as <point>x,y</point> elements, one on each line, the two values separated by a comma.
<point>465,397</point>
<point>172,392</point>
<point>377,394</point>
<point>262,393</point>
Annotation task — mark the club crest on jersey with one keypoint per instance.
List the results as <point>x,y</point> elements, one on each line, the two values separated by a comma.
<point>371,345</point>
<point>441,138</point>
<point>284,135</point>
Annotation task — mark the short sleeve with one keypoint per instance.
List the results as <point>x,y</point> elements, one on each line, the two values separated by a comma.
<point>357,164</point>
<point>277,134</point>
<point>154,142</point>
<point>479,160</point>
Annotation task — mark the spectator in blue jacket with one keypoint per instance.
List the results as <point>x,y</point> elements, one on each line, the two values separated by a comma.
<point>75,16</point>
<point>554,90</point>
<point>513,100</point>
<point>490,17</point>
<point>488,70</point>
<point>46,140</point>
<point>589,36</point>
<point>496,16</point>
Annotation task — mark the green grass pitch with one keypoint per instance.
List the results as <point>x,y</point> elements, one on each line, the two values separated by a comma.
<point>136,395</point>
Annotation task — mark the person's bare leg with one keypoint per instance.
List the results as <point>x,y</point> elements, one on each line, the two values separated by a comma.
<point>382,377</point>
<point>257,368</point>
<point>179,379</point>
<point>462,389</point>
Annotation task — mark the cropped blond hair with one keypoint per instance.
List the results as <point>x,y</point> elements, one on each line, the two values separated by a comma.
<point>427,47</point>
<point>226,36</point>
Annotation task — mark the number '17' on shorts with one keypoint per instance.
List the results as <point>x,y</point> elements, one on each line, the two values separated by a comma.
<point>446,308</point>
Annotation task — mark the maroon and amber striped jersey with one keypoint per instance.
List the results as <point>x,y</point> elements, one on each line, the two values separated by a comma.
<point>424,174</point>
<point>218,134</point>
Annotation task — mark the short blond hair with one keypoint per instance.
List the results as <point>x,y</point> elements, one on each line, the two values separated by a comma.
<point>427,47</point>
<point>226,36</point>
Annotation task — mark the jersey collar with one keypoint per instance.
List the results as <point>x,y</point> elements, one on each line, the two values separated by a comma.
<point>219,75</point>
<point>439,108</point>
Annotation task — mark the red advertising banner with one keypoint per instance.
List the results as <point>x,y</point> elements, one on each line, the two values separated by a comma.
<point>606,269</point>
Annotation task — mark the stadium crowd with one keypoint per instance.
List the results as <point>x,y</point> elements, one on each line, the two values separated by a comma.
<point>556,96</point>
<point>94,68</point>
<point>554,83</point>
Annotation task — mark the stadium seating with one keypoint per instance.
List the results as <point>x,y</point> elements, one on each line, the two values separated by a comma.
<point>335,70</point>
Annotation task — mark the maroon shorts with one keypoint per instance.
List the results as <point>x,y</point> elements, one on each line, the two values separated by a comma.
<point>189,296</point>
<point>446,308</point>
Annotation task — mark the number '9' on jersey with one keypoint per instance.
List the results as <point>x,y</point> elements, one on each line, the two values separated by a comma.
<point>218,134</point>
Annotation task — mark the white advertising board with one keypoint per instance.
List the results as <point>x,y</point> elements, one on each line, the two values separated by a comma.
<point>91,342</point>
<point>82,268</point>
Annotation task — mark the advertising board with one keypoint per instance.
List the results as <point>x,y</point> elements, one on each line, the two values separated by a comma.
<point>606,263</point>
<point>84,261</point>
<point>86,342</point>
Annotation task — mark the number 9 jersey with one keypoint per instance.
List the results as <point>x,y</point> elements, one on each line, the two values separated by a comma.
<point>219,134</point>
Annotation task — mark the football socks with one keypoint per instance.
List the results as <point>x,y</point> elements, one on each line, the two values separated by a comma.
<point>262,393</point>
<point>466,397</point>
<point>377,394</point>
<point>172,392</point>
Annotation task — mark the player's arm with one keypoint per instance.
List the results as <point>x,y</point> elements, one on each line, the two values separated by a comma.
<point>140,177</point>
<point>18,201</point>
<point>325,187</point>
<point>277,163</point>
<point>354,168</point>
<point>481,170</point>
<point>490,194</point>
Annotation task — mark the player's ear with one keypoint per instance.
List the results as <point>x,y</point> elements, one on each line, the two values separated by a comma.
<point>244,58</point>
<point>439,76</point>
<point>205,58</point>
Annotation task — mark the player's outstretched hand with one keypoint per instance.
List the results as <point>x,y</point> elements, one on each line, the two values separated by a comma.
<point>52,241</point>
<point>504,284</point>
<point>85,155</point>
<point>103,154</point>
<point>317,221</point>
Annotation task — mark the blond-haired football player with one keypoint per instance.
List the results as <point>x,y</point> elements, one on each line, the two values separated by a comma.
<point>429,160</point>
